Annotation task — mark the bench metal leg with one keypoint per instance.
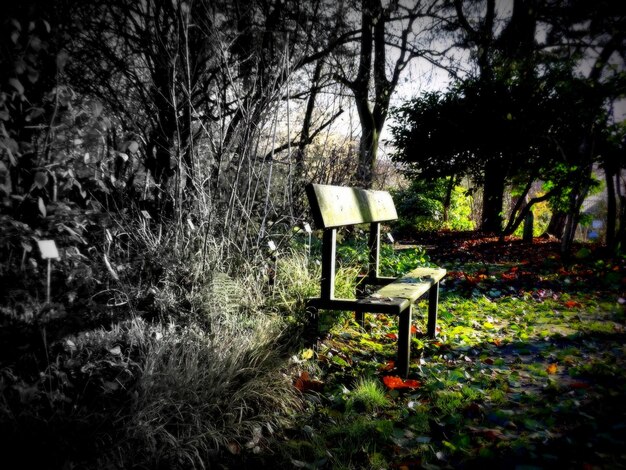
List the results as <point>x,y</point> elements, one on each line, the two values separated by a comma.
<point>433,303</point>
<point>404,342</point>
<point>360,318</point>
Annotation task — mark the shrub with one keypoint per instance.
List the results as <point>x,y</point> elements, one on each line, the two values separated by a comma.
<point>421,207</point>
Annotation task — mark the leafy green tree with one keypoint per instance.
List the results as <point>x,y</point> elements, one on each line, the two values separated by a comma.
<point>528,132</point>
<point>525,111</point>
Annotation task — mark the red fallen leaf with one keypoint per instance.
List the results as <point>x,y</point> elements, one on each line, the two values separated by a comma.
<point>396,383</point>
<point>389,366</point>
<point>408,464</point>
<point>579,385</point>
<point>413,329</point>
<point>304,383</point>
<point>392,336</point>
<point>496,341</point>
<point>572,304</point>
<point>551,369</point>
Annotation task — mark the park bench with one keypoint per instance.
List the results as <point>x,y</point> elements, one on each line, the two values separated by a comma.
<point>334,207</point>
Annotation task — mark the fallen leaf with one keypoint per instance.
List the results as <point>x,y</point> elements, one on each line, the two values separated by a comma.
<point>304,383</point>
<point>396,383</point>
<point>389,366</point>
<point>492,434</point>
<point>551,369</point>
<point>579,385</point>
<point>392,336</point>
<point>572,304</point>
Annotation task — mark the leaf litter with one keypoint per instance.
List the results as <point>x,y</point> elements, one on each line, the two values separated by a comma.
<point>528,369</point>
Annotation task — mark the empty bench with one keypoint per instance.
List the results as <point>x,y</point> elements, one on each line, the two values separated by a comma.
<point>334,207</point>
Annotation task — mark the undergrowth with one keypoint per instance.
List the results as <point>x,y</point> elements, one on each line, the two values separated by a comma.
<point>169,357</point>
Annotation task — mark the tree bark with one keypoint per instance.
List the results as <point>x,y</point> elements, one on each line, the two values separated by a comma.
<point>611,199</point>
<point>493,197</point>
<point>448,198</point>
<point>556,226</point>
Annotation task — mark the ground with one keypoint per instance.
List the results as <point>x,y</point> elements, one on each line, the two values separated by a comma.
<point>527,370</point>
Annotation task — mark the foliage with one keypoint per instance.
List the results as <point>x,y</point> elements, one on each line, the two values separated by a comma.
<point>90,364</point>
<point>541,218</point>
<point>353,251</point>
<point>420,207</point>
<point>496,130</point>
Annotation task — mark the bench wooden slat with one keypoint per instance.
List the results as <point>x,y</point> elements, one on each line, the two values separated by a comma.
<point>390,306</point>
<point>414,284</point>
<point>337,206</point>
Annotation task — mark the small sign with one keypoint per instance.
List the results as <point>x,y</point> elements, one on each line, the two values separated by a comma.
<point>597,224</point>
<point>390,238</point>
<point>146,215</point>
<point>307,228</point>
<point>191,225</point>
<point>271,245</point>
<point>48,249</point>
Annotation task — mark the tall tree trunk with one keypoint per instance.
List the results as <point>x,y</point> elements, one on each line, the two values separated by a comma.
<point>611,213</point>
<point>493,197</point>
<point>367,155</point>
<point>306,123</point>
<point>577,197</point>
<point>556,226</point>
<point>376,24</point>
<point>448,198</point>
<point>621,231</point>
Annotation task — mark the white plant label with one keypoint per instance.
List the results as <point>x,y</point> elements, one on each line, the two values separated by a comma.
<point>48,249</point>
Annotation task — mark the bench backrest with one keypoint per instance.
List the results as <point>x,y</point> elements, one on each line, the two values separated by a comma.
<point>338,206</point>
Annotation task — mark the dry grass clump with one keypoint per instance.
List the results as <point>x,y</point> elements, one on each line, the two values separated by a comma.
<point>201,393</point>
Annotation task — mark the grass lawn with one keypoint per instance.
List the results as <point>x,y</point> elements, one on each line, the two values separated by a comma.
<point>528,370</point>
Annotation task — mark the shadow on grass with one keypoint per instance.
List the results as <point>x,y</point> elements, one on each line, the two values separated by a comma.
<point>551,402</point>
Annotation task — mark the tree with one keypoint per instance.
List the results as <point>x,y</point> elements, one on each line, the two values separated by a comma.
<point>527,131</point>
<point>594,37</point>
<point>507,110</point>
<point>383,28</point>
